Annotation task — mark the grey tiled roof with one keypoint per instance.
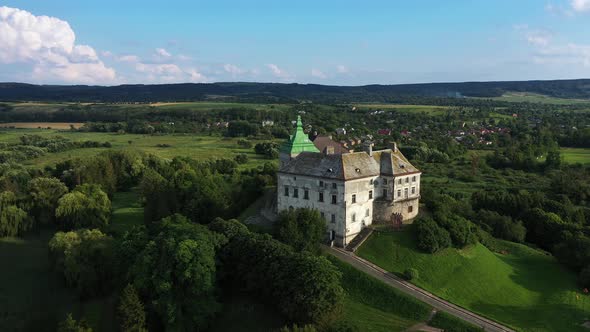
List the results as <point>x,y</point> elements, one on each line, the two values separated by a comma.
<point>350,165</point>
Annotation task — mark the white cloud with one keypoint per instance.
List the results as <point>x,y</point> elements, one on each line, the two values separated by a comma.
<point>279,73</point>
<point>48,44</point>
<point>341,69</point>
<point>129,58</point>
<point>580,5</point>
<point>233,69</point>
<point>546,51</point>
<point>318,73</point>
<point>534,37</point>
<point>169,73</point>
<point>163,53</point>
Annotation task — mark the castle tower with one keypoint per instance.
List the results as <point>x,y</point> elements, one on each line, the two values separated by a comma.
<point>297,143</point>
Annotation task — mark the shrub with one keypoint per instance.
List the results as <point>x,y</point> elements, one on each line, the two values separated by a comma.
<point>242,158</point>
<point>410,274</point>
<point>430,236</point>
<point>244,143</point>
<point>447,322</point>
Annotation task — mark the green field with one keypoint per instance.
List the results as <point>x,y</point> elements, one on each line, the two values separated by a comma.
<point>427,109</point>
<point>575,155</point>
<point>193,146</point>
<point>523,288</point>
<point>537,98</point>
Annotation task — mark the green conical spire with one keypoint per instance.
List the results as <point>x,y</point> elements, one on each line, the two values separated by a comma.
<point>299,142</point>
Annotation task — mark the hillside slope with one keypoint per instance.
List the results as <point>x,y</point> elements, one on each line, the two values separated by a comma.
<point>523,287</point>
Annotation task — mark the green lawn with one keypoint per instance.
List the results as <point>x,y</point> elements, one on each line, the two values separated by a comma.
<point>194,146</point>
<point>538,98</point>
<point>524,288</point>
<point>575,155</point>
<point>127,212</point>
<point>428,109</point>
<point>373,306</point>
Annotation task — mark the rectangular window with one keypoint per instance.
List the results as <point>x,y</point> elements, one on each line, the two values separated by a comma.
<point>286,191</point>
<point>384,181</point>
<point>321,197</point>
<point>367,213</point>
<point>333,219</point>
<point>296,193</point>
<point>353,198</point>
<point>407,180</point>
<point>323,215</point>
<point>410,209</point>
<point>371,182</point>
<point>333,185</point>
<point>305,194</point>
<point>414,178</point>
<point>385,193</point>
<point>353,217</point>
<point>370,194</point>
<point>321,183</point>
<point>333,199</point>
<point>399,181</point>
<point>406,192</point>
<point>399,193</point>
<point>413,190</point>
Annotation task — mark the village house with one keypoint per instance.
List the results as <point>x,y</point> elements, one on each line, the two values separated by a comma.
<point>350,190</point>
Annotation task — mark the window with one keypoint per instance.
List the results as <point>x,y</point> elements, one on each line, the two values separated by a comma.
<point>407,180</point>
<point>353,217</point>
<point>399,193</point>
<point>367,213</point>
<point>333,199</point>
<point>333,219</point>
<point>414,178</point>
<point>385,193</point>
<point>321,183</point>
<point>399,181</point>
<point>410,209</point>
<point>296,193</point>
<point>323,215</point>
<point>370,194</point>
<point>321,197</point>
<point>286,191</point>
<point>305,194</point>
<point>384,181</point>
<point>333,185</point>
<point>413,190</point>
<point>353,198</point>
<point>406,192</point>
<point>371,182</point>
<point>295,178</point>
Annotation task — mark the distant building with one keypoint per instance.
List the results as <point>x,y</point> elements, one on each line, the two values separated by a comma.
<point>268,123</point>
<point>340,131</point>
<point>323,143</point>
<point>350,190</point>
<point>385,132</point>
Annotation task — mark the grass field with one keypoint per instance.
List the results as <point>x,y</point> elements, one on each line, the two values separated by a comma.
<point>373,306</point>
<point>575,155</point>
<point>538,98</point>
<point>193,146</point>
<point>127,212</point>
<point>525,288</point>
<point>41,125</point>
<point>427,109</point>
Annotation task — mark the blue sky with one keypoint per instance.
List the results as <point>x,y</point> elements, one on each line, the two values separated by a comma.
<point>326,42</point>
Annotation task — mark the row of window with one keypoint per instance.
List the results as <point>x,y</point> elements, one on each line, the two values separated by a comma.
<point>306,195</point>
<point>353,216</point>
<point>399,192</point>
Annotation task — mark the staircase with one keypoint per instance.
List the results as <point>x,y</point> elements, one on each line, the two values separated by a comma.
<point>359,239</point>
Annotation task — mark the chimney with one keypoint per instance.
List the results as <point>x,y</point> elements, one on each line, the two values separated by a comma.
<point>393,146</point>
<point>368,148</point>
<point>329,150</point>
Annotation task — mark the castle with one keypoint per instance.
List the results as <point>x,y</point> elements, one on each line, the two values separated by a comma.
<point>350,190</point>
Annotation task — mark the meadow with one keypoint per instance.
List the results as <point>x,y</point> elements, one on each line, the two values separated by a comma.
<point>165,146</point>
<point>426,109</point>
<point>519,286</point>
<point>538,98</point>
<point>575,155</point>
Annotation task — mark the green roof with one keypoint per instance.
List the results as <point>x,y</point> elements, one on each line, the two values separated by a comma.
<point>299,142</point>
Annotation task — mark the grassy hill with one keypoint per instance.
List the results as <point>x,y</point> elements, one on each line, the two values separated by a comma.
<point>522,287</point>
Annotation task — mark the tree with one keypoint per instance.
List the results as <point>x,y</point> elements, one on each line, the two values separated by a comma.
<point>411,274</point>
<point>303,229</point>
<point>85,259</point>
<point>71,325</point>
<point>13,220</point>
<point>430,236</point>
<point>86,206</point>
<point>176,270</point>
<point>131,311</point>
<point>44,195</point>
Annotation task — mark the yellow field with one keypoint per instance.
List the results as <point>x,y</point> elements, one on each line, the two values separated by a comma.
<point>41,125</point>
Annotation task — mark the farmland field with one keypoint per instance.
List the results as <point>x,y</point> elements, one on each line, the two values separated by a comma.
<point>538,98</point>
<point>427,109</point>
<point>166,146</point>
<point>522,287</point>
<point>41,125</point>
<point>575,155</point>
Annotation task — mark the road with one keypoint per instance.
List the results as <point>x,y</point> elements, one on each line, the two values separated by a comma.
<point>419,293</point>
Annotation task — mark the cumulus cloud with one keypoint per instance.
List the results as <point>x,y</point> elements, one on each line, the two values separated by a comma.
<point>546,51</point>
<point>49,45</point>
<point>233,69</point>
<point>318,73</point>
<point>169,73</point>
<point>163,53</point>
<point>129,58</point>
<point>279,72</point>
<point>341,69</point>
<point>580,5</point>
